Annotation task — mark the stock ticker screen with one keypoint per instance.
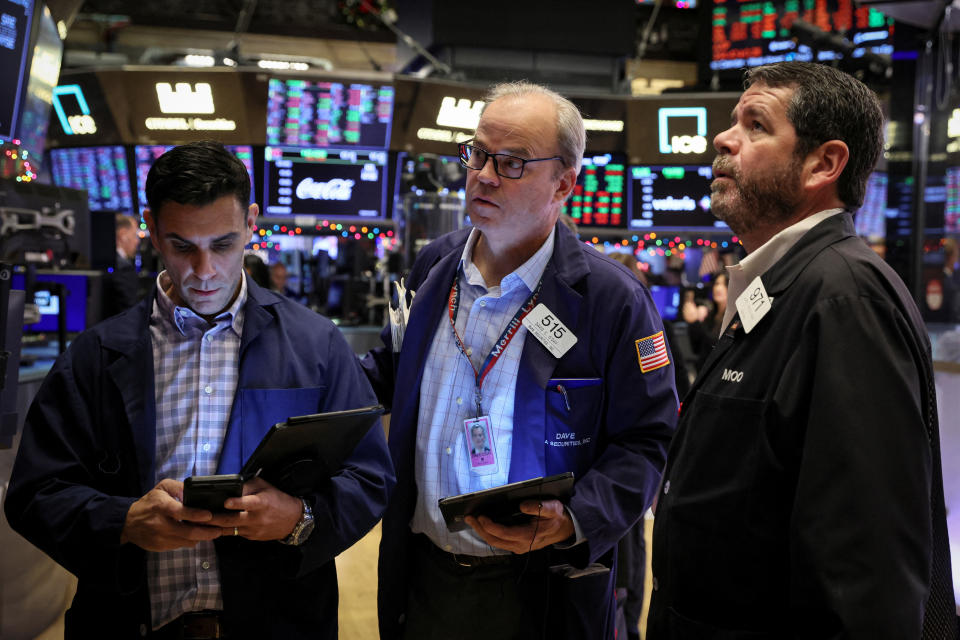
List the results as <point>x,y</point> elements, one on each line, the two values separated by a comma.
<point>307,113</point>
<point>754,33</point>
<point>15,20</point>
<point>951,211</point>
<point>337,183</point>
<point>871,218</point>
<point>102,171</point>
<point>600,197</point>
<point>672,198</point>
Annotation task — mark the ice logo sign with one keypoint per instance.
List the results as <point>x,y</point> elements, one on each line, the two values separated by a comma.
<point>336,189</point>
<point>682,143</point>
<point>75,124</point>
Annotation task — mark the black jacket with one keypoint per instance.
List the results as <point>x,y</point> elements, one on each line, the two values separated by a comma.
<point>803,493</point>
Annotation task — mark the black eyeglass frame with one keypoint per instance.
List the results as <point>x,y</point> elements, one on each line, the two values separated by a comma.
<point>462,147</point>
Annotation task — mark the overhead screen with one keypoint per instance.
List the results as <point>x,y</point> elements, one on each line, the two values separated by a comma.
<point>104,173</point>
<point>38,98</point>
<point>754,33</point>
<point>330,183</point>
<point>145,155</point>
<point>672,197</point>
<point>951,213</point>
<point>309,113</point>
<point>16,18</point>
<point>599,198</point>
<point>871,220</point>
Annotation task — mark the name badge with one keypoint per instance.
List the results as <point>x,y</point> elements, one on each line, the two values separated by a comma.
<point>481,447</point>
<point>753,304</point>
<point>547,328</point>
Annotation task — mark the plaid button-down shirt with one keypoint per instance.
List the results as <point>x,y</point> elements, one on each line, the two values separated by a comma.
<point>196,366</point>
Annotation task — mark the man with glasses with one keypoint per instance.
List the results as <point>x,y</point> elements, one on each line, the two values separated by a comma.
<point>556,354</point>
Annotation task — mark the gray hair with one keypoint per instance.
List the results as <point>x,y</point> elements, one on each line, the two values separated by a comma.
<point>571,134</point>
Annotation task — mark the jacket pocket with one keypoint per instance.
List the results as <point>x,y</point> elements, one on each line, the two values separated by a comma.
<point>712,485</point>
<point>573,411</point>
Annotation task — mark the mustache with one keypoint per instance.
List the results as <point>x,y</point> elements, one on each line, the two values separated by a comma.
<point>722,164</point>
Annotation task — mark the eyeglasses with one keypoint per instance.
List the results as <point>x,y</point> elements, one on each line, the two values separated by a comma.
<point>505,165</point>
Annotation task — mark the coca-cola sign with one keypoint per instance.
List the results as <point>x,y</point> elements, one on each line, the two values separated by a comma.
<point>335,189</point>
<point>344,183</point>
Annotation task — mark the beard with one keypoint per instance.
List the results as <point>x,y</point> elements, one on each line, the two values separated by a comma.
<point>765,199</point>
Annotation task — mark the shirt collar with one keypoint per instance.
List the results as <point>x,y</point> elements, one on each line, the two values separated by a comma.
<point>767,255</point>
<point>529,272</point>
<point>179,316</point>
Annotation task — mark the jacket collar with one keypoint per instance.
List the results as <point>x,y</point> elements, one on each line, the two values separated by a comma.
<point>832,230</point>
<point>132,371</point>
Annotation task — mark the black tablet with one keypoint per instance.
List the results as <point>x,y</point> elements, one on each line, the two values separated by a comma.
<point>502,504</point>
<point>297,454</point>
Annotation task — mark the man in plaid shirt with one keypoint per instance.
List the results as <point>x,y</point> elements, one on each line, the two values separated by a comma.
<point>187,383</point>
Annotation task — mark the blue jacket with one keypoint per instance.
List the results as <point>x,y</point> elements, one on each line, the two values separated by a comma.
<point>623,418</point>
<point>88,449</point>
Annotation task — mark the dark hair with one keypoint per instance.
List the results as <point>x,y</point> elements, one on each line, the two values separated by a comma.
<point>828,104</point>
<point>197,174</point>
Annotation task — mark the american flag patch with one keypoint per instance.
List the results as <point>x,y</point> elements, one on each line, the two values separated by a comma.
<point>652,352</point>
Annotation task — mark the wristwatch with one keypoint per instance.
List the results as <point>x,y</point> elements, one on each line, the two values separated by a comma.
<point>303,528</point>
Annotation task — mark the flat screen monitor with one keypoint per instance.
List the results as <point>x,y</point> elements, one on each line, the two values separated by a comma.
<point>751,33</point>
<point>599,198</point>
<point>951,211</point>
<point>335,113</point>
<point>49,304</point>
<point>428,173</point>
<point>16,18</point>
<point>146,155</point>
<point>871,218</point>
<point>667,300</point>
<point>331,183</point>
<point>672,198</point>
<point>38,99</point>
<point>103,172</point>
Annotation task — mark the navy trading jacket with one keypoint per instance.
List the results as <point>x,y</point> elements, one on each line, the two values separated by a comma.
<point>628,417</point>
<point>803,494</point>
<point>88,449</point>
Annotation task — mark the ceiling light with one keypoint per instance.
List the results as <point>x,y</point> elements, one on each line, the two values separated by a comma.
<point>195,60</point>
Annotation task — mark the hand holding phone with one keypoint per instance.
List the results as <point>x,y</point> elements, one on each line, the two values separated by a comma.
<point>210,492</point>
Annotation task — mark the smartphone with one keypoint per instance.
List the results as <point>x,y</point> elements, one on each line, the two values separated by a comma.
<point>210,492</point>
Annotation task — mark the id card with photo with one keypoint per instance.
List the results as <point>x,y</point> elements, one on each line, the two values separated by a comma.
<point>479,439</point>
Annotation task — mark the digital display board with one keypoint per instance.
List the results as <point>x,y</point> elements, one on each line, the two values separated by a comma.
<point>44,73</point>
<point>753,33</point>
<point>145,155</point>
<point>314,113</point>
<point>102,171</point>
<point>16,17</point>
<point>871,218</point>
<point>344,183</point>
<point>951,211</point>
<point>599,198</point>
<point>675,197</point>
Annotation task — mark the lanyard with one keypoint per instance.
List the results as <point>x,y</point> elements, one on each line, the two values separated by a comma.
<point>500,346</point>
